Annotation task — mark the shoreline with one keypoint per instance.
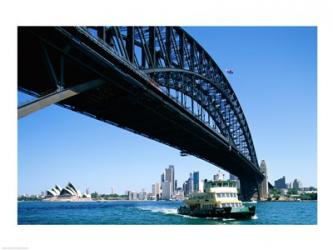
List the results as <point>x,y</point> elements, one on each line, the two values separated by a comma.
<point>92,200</point>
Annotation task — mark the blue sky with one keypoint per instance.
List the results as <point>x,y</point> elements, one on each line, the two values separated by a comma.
<point>275,82</point>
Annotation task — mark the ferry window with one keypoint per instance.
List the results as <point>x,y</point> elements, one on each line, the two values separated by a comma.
<point>227,194</point>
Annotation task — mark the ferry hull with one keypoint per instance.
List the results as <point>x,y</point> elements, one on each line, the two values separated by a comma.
<point>222,213</point>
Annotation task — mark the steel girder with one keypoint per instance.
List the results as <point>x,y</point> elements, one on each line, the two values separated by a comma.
<point>175,61</point>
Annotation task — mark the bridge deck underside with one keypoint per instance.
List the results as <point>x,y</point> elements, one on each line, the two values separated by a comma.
<point>126,102</point>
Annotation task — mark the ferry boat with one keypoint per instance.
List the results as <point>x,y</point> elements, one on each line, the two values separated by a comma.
<point>219,200</point>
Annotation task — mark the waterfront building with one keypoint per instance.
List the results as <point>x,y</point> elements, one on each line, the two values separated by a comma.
<point>68,191</point>
<point>196,181</point>
<point>280,183</point>
<point>150,196</point>
<point>175,185</point>
<point>55,191</point>
<point>263,188</point>
<point>132,196</point>
<point>142,195</point>
<point>179,194</point>
<point>156,191</point>
<point>166,190</point>
<point>297,184</point>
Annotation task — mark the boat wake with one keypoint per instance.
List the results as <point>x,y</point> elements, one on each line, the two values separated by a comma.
<point>168,211</point>
<point>254,217</point>
<point>160,210</point>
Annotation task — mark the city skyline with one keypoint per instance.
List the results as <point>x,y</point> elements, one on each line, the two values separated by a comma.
<point>219,174</point>
<point>274,79</point>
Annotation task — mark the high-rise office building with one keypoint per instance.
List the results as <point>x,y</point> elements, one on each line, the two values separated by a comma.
<point>196,181</point>
<point>156,191</point>
<point>166,190</point>
<point>190,184</point>
<point>280,183</point>
<point>170,177</point>
<point>263,189</point>
<point>185,188</point>
<point>162,178</point>
<point>201,186</point>
<point>153,189</point>
<point>297,184</point>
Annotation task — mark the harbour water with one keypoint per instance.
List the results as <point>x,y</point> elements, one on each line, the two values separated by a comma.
<point>154,212</point>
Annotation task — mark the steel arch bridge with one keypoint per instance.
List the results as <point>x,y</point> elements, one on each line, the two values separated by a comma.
<point>155,81</point>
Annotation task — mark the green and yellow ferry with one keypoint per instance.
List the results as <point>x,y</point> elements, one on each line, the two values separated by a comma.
<point>219,200</point>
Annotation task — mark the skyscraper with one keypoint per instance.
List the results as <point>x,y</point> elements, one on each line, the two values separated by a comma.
<point>166,190</point>
<point>153,189</point>
<point>156,190</point>
<point>170,177</point>
<point>162,178</point>
<point>190,184</point>
<point>201,186</point>
<point>263,189</point>
<point>196,181</point>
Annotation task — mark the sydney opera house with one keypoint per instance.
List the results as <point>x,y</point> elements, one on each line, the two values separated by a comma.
<point>67,192</point>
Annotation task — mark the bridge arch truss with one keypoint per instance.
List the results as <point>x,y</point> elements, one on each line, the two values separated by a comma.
<point>179,66</point>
